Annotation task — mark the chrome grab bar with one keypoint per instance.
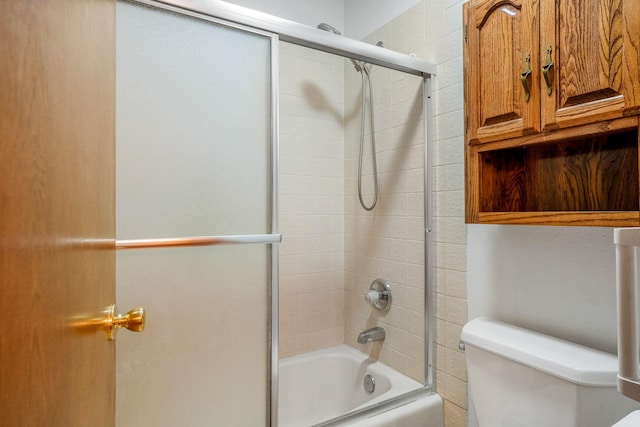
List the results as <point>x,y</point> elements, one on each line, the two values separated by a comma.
<point>626,241</point>
<point>239,239</point>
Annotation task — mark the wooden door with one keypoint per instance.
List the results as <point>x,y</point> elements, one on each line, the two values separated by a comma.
<point>57,98</point>
<point>501,44</point>
<point>591,48</point>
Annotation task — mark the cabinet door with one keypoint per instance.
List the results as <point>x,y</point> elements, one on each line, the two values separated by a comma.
<point>501,44</point>
<point>590,51</point>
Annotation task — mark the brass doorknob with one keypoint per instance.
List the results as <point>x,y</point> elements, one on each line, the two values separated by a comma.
<point>133,320</point>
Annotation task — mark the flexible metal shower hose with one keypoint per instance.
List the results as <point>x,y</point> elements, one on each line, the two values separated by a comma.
<point>365,71</point>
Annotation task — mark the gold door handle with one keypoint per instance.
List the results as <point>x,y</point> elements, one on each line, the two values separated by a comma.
<point>524,77</point>
<point>545,71</point>
<point>133,320</point>
<point>109,321</point>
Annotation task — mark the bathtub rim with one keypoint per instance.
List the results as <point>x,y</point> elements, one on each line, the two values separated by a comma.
<point>373,409</point>
<point>381,407</point>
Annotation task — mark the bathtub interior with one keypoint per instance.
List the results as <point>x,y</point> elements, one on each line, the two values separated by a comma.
<point>321,385</point>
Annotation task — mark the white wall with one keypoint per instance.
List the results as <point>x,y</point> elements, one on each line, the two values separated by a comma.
<point>556,280</point>
<point>354,18</point>
<point>308,12</point>
<point>362,17</point>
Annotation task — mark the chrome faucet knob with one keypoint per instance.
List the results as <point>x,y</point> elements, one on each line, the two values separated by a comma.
<point>379,295</point>
<point>372,296</point>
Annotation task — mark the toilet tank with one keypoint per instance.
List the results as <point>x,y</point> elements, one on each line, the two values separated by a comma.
<point>523,378</point>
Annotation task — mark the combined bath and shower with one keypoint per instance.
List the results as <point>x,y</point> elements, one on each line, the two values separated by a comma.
<point>364,70</point>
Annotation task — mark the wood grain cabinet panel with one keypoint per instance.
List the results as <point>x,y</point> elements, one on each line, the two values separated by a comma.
<point>552,98</point>
<point>593,46</point>
<point>501,87</point>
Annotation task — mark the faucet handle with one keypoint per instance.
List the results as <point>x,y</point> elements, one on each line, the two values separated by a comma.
<point>372,296</point>
<point>379,295</point>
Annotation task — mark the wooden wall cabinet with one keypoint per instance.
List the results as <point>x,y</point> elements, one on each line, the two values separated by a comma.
<point>501,68</point>
<point>552,94</point>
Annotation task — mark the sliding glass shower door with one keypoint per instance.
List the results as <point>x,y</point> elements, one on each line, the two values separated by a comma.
<point>194,156</point>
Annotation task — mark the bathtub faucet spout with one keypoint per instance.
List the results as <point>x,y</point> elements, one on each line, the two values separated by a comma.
<point>372,334</point>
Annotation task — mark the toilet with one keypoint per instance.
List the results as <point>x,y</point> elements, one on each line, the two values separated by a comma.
<point>631,420</point>
<point>521,378</point>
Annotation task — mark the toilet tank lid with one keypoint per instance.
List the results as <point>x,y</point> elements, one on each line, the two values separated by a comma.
<point>563,359</point>
<point>631,420</point>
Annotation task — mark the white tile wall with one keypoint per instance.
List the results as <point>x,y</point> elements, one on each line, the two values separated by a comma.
<point>318,186</point>
<point>388,242</point>
<point>438,39</point>
<point>330,107</point>
<point>431,30</point>
<point>311,200</point>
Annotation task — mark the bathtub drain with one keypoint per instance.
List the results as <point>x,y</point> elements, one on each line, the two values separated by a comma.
<point>369,383</point>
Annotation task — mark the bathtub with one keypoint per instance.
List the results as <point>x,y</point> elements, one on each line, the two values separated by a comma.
<point>321,385</point>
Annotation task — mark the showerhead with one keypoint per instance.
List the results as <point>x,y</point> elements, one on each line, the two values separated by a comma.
<point>327,27</point>
<point>359,65</point>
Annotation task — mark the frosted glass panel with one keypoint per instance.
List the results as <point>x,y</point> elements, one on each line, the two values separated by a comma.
<point>193,158</point>
<point>202,359</point>
<point>193,126</point>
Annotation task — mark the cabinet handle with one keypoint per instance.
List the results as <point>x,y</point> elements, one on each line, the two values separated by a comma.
<point>524,77</point>
<point>545,71</point>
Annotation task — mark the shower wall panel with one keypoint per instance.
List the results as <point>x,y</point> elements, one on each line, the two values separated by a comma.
<point>311,200</point>
<point>387,242</point>
<point>332,249</point>
<point>432,30</point>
